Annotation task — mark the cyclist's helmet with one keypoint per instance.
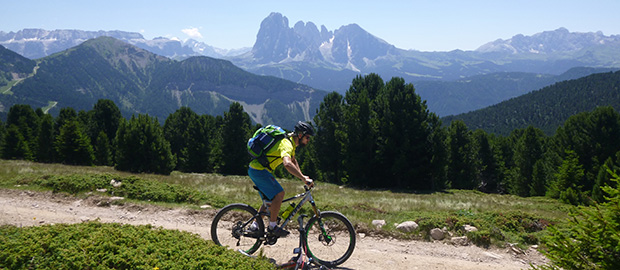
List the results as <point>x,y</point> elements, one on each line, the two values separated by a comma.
<point>305,128</point>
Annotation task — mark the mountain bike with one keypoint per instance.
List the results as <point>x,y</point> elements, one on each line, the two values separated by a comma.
<point>328,237</point>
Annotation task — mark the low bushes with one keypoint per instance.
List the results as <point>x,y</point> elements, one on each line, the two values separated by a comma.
<point>130,187</point>
<point>95,245</point>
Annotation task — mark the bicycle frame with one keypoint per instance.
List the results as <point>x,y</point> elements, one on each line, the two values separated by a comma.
<point>324,235</point>
<point>305,197</point>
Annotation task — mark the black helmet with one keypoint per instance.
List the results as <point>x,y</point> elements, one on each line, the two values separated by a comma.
<point>305,128</point>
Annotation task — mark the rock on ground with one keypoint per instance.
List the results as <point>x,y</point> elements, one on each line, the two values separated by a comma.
<point>27,208</point>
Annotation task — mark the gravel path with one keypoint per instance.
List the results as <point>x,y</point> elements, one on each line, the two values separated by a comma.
<point>28,208</point>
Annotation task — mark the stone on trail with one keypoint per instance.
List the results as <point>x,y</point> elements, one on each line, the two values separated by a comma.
<point>407,226</point>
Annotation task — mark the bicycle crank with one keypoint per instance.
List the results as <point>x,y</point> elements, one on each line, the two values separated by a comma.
<point>271,239</point>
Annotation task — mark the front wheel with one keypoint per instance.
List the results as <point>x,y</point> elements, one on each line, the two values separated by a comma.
<point>329,239</point>
<point>231,228</point>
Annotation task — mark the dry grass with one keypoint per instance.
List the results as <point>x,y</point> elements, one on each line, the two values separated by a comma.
<point>360,206</point>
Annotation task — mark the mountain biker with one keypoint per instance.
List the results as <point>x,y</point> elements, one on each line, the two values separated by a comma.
<point>283,153</point>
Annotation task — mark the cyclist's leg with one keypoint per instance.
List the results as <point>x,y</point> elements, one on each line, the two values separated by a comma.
<point>269,186</point>
<point>276,203</point>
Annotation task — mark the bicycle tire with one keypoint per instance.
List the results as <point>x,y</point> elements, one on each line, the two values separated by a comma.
<point>226,228</point>
<point>335,249</point>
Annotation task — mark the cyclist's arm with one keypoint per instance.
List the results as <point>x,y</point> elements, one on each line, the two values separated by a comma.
<point>291,165</point>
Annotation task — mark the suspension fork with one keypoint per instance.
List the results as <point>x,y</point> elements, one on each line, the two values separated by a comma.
<point>316,211</point>
<point>324,235</point>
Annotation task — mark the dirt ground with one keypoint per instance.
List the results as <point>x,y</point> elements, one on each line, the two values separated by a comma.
<point>28,208</point>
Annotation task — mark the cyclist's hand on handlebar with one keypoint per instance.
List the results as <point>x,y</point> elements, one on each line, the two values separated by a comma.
<point>309,181</point>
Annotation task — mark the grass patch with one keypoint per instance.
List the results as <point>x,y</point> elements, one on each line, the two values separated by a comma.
<point>6,90</point>
<point>50,105</point>
<point>500,218</point>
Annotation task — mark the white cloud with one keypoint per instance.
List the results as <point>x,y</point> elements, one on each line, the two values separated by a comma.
<point>192,32</point>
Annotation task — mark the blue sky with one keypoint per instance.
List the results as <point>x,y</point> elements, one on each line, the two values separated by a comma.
<point>425,25</point>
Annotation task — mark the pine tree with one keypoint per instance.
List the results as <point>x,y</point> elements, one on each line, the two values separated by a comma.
<point>528,150</point>
<point>73,146</point>
<point>45,140</point>
<point>235,134</point>
<point>104,117</point>
<point>604,177</point>
<point>401,124</point>
<point>200,142</point>
<point>567,183</point>
<point>593,136</point>
<point>538,187</point>
<point>66,115</point>
<point>360,143</point>
<point>592,237</point>
<point>489,175</point>
<point>177,132</point>
<point>27,122</point>
<point>103,150</point>
<point>15,145</point>
<point>142,147</point>
<point>2,135</point>
<point>329,139</point>
<point>216,155</point>
<point>439,161</point>
<point>461,163</point>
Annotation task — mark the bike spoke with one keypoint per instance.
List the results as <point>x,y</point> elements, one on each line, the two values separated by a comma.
<point>330,240</point>
<point>231,229</point>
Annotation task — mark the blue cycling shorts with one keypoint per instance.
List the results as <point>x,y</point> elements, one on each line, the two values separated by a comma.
<point>266,183</point>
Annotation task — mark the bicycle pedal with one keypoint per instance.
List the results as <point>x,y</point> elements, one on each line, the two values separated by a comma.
<point>270,240</point>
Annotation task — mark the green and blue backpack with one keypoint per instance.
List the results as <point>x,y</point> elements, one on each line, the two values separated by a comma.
<point>262,141</point>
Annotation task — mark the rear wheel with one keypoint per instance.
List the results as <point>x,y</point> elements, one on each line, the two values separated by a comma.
<point>231,228</point>
<point>330,239</point>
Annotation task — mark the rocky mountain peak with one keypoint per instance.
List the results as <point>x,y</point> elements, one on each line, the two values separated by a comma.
<point>274,39</point>
<point>308,32</point>
<point>560,40</point>
<point>349,46</point>
<point>38,43</point>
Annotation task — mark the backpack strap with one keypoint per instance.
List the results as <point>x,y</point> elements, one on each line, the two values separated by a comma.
<point>276,157</point>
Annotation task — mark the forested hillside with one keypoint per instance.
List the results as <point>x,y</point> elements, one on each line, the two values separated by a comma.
<point>140,82</point>
<point>477,92</point>
<point>548,107</point>
<point>378,135</point>
<point>13,68</point>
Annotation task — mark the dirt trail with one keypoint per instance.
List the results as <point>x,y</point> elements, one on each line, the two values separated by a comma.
<point>27,208</point>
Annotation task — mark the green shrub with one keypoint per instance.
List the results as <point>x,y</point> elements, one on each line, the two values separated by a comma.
<point>480,238</point>
<point>95,245</point>
<point>425,225</point>
<point>131,187</point>
<point>591,239</point>
<point>72,183</point>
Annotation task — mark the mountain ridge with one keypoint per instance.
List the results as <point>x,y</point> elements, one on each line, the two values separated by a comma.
<point>546,108</point>
<point>13,66</point>
<point>477,92</point>
<point>35,43</point>
<point>143,82</point>
<point>330,60</point>
<point>351,51</point>
<point>532,44</point>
